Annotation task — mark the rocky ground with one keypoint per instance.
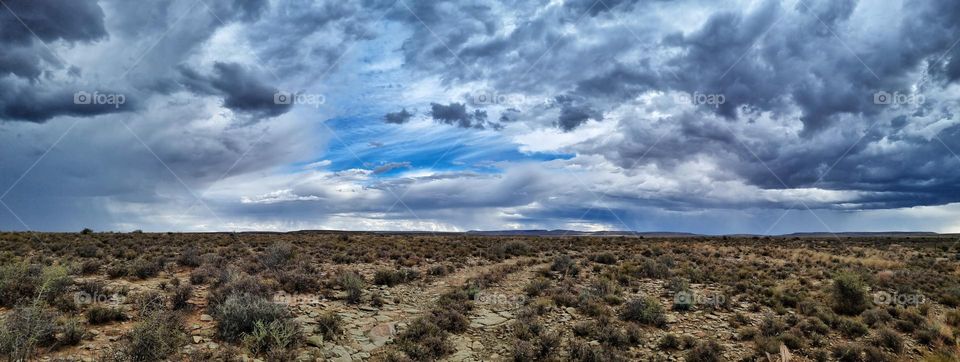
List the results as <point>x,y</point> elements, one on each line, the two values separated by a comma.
<point>495,299</point>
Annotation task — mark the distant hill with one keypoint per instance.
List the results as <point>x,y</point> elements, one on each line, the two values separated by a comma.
<point>575,233</point>
<point>650,234</point>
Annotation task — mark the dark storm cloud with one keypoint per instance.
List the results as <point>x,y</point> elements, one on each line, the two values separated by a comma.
<point>24,103</point>
<point>51,20</point>
<point>242,90</point>
<point>798,80</point>
<point>400,117</point>
<point>774,57</point>
<point>457,114</point>
<point>390,166</point>
<point>573,114</point>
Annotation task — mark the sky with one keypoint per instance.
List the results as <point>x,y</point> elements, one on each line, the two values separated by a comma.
<point>704,116</point>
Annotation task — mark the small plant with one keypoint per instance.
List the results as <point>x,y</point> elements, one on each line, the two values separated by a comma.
<point>771,326</point>
<point>277,255</point>
<point>705,351</point>
<point>99,314</point>
<point>645,310</point>
<point>25,329</point>
<point>71,332</point>
<point>180,297</point>
<point>330,325</point>
<point>565,266</point>
<point>876,316</point>
<point>604,258</point>
<point>277,340</point>
<point>236,283</point>
<point>155,338</point>
<point>889,339</point>
<point>852,328</point>
<point>583,352</point>
<point>449,319</point>
<point>423,340</point>
<point>849,294</point>
<point>144,269</point>
<point>393,277</point>
<point>189,257</point>
<point>668,342</point>
<point>352,283</point>
<point>536,287</point>
<point>438,271</point>
<point>240,313</point>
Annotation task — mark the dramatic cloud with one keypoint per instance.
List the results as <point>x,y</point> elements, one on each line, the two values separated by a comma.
<point>241,90</point>
<point>400,117</point>
<point>456,114</point>
<point>704,116</point>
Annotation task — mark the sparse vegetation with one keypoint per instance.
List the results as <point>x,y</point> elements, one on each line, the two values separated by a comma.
<point>129,297</point>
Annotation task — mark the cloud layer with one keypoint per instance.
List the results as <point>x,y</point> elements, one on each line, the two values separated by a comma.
<point>456,115</point>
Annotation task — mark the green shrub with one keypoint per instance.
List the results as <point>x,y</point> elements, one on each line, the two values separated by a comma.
<point>848,352</point>
<point>583,352</point>
<point>202,274</point>
<point>88,267</point>
<point>25,329</point>
<point>180,297</point>
<point>277,255</point>
<point>393,277</point>
<point>330,325</point>
<point>21,282</point>
<point>852,328</point>
<point>887,338</point>
<point>144,269</point>
<point>72,332</point>
<point>117,270</point>
<point>98,314</point>
<point>189,257</point>
<point>239,314</point>
<point>276,340</point>
<point>352,283</point>
<point>299,280</point>
<point>536,287</point>
<point>564,265</point>
<point>508,249</point>
<point>604,258</point>
<point>645,310</point>
<point>705,351</point>
<point>155,338</point>
<point>771,326</point>
<point>438,271</point>
<point>849,294</point>
<point>875,316</point>
<point>449,319</point>
<point>236,283</point>
<point>668,342</point>
<point>423,340</point>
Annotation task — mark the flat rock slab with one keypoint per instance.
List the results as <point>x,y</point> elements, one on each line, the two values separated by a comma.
<point>488,319</point>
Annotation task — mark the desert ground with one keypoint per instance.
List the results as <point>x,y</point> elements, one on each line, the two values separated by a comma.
<point>318,296</point>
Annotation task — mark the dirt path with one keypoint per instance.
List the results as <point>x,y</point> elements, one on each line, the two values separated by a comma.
<point>495,310</point>
<point>368,328</point>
